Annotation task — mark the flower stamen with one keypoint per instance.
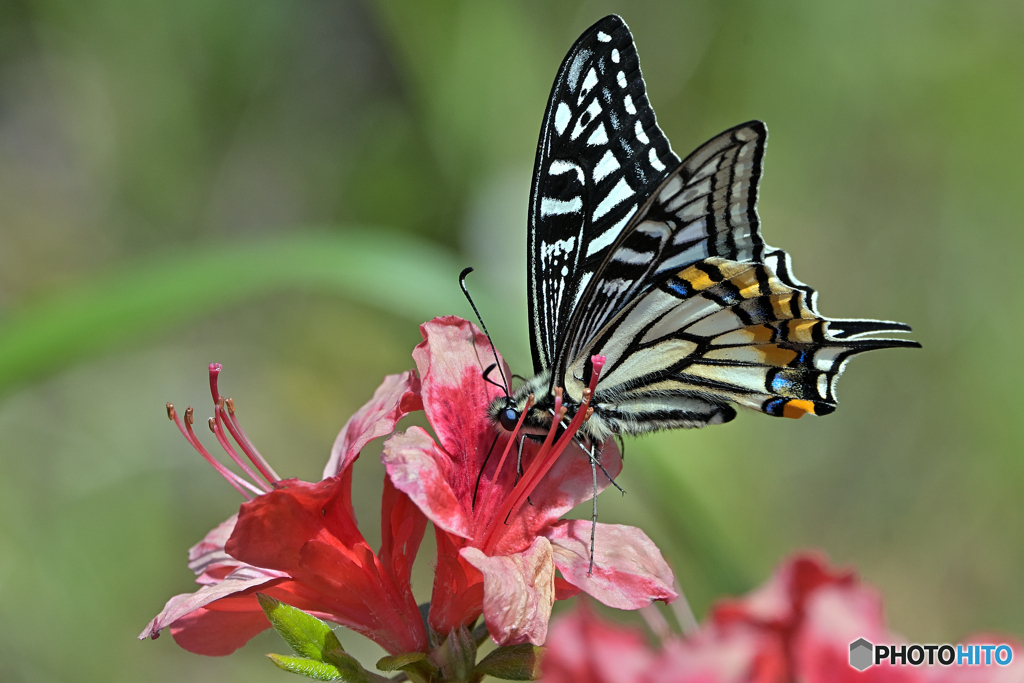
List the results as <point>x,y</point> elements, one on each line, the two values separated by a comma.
<point>548,454</point>
<point>238,482</point>
<point>230,422</point>
<point>242,439</point>
<point>217,427</point>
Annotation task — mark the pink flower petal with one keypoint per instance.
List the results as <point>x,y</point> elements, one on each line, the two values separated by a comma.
<point>272,528</point>
<point>458,594</point>
<point>584,648</point>
<point>419,469</point>
<point>451,360</point>
<point>519,591</point>
<point>180,605</point>
<point>208,559</point>
<point>216,634</point>
<point>395,398</point>
<point>226,624</point>
<point>402,527</point>
<point>629,571</point>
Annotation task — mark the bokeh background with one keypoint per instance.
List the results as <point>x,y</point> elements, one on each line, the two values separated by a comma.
<point>290,187</point>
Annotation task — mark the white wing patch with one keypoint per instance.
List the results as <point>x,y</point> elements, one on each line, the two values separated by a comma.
<point>558,167</point>
<point>598,137</point>
<point>652,156</point>
<point>557,207</point>
<point>609,235</point>
<point>620,193</point>
<point>562,116</point>
<point>606,165</point>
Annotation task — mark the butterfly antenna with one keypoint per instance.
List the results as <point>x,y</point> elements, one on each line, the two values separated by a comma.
<point>462,283</point>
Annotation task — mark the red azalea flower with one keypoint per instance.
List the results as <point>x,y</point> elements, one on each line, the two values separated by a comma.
<point>500,537</point>
<point>298,542</point>
<point>796,627</point>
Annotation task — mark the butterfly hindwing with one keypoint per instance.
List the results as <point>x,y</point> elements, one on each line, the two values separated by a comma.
<point>717,332</point>
<point>600,155</point>
<point>706,207</point>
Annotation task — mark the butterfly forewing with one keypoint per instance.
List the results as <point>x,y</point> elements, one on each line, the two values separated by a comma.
<point>705,207</point>
<point>600,155</point>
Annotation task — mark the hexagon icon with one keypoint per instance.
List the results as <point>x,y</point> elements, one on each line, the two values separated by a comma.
<point>861,654</point>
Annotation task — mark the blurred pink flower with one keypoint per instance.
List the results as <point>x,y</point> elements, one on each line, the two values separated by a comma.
<point>500,537</point>
<point>796,627</point>
<point>298,542</point>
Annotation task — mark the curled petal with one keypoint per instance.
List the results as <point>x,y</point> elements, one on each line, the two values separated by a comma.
<point>519,591</point>
<point>208,559</point>
<point>395,398</point>
<point>421,470</point>
<point>629,571</point>
<point>180,605</point>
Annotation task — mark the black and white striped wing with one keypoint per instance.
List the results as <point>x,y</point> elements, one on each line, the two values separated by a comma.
<point>600,156</point>
<point>706,207</point>
<point>718,333</point>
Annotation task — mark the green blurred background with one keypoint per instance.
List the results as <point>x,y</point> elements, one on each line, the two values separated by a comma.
<point>289,187</point>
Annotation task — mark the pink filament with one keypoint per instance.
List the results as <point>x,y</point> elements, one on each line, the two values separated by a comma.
<point>546,456</point>
<point>226,418</point>
<point>240,484</point>
<point>221,424</point>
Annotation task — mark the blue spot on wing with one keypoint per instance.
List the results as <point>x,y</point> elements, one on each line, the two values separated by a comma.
<point>680,288</point>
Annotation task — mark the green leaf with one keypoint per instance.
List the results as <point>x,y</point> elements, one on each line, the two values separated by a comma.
<point>318,671</point>
<point>304,633</point>
<point>403,275</point>
<point>513,663</point>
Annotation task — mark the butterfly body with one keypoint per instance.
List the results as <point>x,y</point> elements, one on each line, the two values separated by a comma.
<point>658,265</point>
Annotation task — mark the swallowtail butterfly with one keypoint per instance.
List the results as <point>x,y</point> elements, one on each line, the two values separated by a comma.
<point>658,265</point>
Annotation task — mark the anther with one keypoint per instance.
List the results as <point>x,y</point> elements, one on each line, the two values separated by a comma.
<point>211,424</point>
<point>587,415</point>
<point>188,416</point>
<point>170,411</point>
<point>230,403</point>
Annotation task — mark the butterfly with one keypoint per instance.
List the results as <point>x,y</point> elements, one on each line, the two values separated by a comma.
<point>658,265</point>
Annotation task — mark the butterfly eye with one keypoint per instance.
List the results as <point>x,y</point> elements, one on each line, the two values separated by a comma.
<point>508,418</point>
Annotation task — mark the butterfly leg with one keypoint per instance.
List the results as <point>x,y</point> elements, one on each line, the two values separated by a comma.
<point>593,515</point>
<point>596,458</point>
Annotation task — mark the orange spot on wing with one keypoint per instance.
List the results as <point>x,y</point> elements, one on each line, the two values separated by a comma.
<point>797,408</point>
<point>775,355</point>
<point>697,278</point>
